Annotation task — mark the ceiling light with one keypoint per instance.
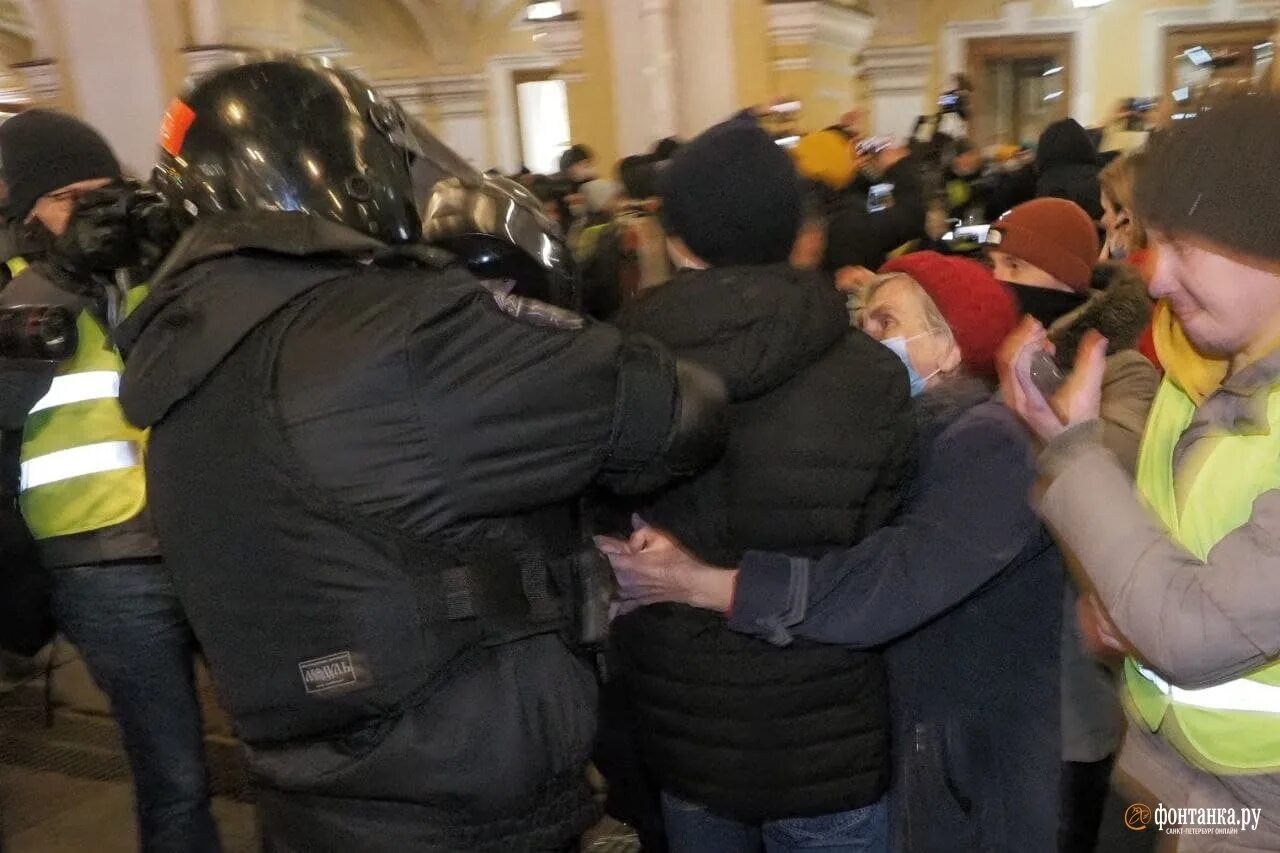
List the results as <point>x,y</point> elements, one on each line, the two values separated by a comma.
<point>544,10</point>
<point>1199,56</point>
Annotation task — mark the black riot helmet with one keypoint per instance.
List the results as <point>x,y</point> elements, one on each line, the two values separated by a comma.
<point>298,135</point>
<point>500,230</point>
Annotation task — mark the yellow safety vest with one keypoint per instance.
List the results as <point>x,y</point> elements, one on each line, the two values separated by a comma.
<point>1234,727</point>
<point>82,461</point>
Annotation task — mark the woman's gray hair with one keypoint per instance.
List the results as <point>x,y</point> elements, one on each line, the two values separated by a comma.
<point>936,323</point>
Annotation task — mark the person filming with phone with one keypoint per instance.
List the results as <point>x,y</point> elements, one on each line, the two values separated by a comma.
<point>1186,565</point>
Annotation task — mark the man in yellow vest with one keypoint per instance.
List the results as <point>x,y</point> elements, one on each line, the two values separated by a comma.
<point>83,491</point>
<point>1188,567</point>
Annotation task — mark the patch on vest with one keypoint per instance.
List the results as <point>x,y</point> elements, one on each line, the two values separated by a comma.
<point>537,313</point>
<point>331,672</point>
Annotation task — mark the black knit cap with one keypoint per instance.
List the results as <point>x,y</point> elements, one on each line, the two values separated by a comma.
<point>1215,176</point>
<point>733,196</point>
<point>42,151</point>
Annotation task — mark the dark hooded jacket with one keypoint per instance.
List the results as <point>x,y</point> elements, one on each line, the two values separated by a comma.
<point>1067,164</point>
<point>818,458</point>
<point>955,586</point>
<point>859,237</point>
<point>365,471</point>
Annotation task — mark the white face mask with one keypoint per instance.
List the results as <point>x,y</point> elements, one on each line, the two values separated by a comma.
<point>898,345</point>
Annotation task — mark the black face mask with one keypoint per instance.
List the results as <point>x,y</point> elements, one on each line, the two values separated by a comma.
<point>1047,306</point>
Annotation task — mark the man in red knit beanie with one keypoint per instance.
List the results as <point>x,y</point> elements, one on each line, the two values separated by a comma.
<point>1047,252</point>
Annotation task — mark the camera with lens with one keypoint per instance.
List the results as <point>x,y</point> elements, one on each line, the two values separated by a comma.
<point>123,226</point>
<point>955,101</point>
<point>38,332</point>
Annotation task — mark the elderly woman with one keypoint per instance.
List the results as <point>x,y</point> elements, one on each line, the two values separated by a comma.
<point>961,588</point>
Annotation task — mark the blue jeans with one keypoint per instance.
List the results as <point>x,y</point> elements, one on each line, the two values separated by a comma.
<point>693,829</point>
<point>130,629</point>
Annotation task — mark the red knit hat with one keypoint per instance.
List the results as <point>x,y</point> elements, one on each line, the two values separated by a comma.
<point>1053,234</point>
<point>980,310</point>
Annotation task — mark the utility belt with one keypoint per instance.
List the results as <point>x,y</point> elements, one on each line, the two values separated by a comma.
<point>510,599</point>
<point>499,583</point>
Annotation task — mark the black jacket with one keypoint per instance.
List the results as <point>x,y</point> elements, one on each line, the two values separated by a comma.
<point>859,237</point>
<point>1010,189</point>
<point>1067,164</point>
<point>365,478</point>
<point>817,459</point>
<point>963,586</point>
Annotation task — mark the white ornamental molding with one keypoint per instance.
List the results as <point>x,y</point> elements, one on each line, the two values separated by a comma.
<point>897,70</point>
<point>792,63</point>
<point>1157,21</point>
<point>816,20</point>
<point>562,39</point>
<point>41,77</point>
<point>1017,20</point>
<point>453,95</point>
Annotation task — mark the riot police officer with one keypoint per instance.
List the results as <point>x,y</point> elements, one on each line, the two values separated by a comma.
<point>365,465</point>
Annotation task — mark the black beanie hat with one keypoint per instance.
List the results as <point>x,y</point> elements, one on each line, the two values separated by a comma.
<point>575,155</point>
<point>42,151</point>
<point>733,196</point>
<point>1213,176</point>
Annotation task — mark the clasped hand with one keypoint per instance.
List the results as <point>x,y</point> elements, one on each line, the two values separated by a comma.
<point>652,567</point>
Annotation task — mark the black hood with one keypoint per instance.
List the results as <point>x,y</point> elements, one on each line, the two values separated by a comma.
<point>224,277</point>
<point>757,327</point>
<point>1118,307</point>
<point>1065,142</point>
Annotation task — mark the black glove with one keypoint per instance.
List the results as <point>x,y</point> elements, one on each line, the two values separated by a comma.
<point>154,227</point>
<point>99,239</point>
<point>122,226</point>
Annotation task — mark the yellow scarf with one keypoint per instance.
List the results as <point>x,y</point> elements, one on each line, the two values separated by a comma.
<point>1196,374</point>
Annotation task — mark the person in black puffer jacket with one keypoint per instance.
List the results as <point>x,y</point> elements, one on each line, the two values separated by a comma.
<point>747,739</point>
<point>864,233</point>
<point>1067,165</point>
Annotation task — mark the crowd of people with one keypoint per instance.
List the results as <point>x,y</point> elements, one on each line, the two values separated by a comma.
<point>807,520</point>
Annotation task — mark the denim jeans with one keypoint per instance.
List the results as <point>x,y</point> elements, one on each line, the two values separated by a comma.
<point>130,629</point>
<point>693,829</point>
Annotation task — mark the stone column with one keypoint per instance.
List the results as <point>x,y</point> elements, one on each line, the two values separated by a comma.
<point>898,82</point>
<point>119,89</point>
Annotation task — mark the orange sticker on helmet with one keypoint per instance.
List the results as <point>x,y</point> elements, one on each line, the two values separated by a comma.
<point>173,130</point>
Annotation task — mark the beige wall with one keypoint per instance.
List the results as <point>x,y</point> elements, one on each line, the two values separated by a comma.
<point>421,39</point>
<point>1117,60</point>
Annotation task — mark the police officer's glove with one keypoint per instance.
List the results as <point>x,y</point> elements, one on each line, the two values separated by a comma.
<point>99,238</point>
<point>154,227</point>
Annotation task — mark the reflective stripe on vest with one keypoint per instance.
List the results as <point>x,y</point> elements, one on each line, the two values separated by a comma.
<point>82,461</point>
<point>1232,727</point>
<point>1239,695</point>
<point>78,387</point>
<point>79,462</point>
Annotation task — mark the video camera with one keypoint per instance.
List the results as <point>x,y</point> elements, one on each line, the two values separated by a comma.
<point>38,332</point>
<point>954,102</point>
<point>119,227</point>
